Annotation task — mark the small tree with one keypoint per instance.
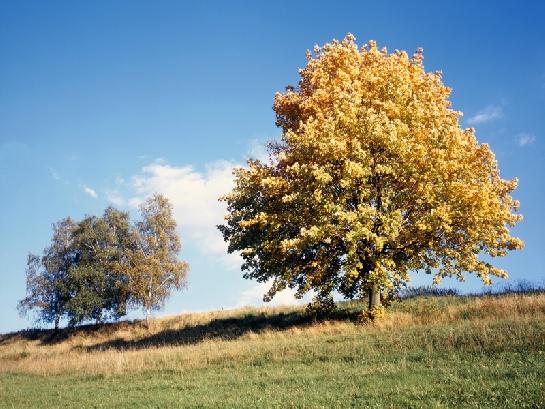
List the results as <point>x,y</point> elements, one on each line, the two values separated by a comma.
<point>98,266</point>
<point>373,178</point>
<point>46,276</point>
<point>98,289</point>
<point>152,266</point>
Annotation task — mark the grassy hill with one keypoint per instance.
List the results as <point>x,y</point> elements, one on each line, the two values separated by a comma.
<point>429,352</point>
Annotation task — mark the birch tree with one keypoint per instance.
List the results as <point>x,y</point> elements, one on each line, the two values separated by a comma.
<point>152,264</point>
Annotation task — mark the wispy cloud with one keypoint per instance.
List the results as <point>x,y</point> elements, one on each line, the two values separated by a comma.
<point>90,191</point>
<point>194,195</point>
<point>115,198</point>
<point>524,139</point>
<point>488,114</point>
<point>54,174</point>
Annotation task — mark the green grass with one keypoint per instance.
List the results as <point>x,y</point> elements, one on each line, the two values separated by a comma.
<point>433,352</point>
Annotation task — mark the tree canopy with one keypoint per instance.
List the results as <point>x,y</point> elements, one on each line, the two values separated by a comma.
<point>47,292</point>
<point>97,285</point>
<point>99,267</point>
<point>373,178</point>
<point>152,268</point>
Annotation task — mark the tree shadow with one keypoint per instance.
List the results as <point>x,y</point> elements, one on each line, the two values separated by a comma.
<point>52,336</point>
<point>26,334</point>
<point>223,329</point>
<point>226,328</point>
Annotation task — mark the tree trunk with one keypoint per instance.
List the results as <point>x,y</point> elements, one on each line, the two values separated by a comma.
<point>374,296</point>
<point>57,319</point>
<point>148,309</point>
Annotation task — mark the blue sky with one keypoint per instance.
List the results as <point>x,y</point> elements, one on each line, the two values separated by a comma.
<point>105,102</point>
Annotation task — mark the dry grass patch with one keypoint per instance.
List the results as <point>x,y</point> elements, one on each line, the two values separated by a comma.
<point>254,336</point>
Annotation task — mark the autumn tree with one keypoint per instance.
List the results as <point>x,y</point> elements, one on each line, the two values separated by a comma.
<point>152,265</point>
<point>46,276</point>
<point>373,178</point>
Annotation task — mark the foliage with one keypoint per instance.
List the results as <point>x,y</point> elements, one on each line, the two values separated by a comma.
<point>152,265</point>
<point>46,276</point>
<point>373,178</point>
<point>96,268</point>
<point>97,285</point>
<point>376,312</point>
<point>321,307</point>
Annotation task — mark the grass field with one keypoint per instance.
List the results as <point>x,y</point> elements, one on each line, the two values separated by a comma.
<point>429,352</point>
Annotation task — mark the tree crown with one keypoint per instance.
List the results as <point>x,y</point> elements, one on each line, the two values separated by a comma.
<point>373,178</point>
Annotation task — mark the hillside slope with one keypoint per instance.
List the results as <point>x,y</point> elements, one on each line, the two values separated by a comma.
<point>428,352</point>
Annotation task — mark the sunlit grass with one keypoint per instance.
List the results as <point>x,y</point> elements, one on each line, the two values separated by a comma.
<point>429,351</point>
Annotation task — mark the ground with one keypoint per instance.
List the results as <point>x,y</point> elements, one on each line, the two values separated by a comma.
<point>429,352</point>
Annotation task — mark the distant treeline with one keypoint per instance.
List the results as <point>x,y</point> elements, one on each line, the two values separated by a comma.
<point>100,267</point>
<point>516,287</point>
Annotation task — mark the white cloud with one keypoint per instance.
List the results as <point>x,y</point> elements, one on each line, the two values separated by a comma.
<point>91,192</point>
<point>254,297</point>
<point>524,139</point>
<point>488,114</point>
<point>258,150</point>
<point>194,197</point>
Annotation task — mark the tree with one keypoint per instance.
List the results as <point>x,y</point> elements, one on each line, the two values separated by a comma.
<point>46,276</point>
<point>373,178</point>
<point>152,266</point>
<point>97,267</point>
<point>98,288</point>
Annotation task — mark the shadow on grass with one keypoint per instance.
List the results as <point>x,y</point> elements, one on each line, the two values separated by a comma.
<point>227,328</point>
<point>230,328</point>
<point>52,336</point>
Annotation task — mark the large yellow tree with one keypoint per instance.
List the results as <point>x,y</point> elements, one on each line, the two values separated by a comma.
<point>373,178</point>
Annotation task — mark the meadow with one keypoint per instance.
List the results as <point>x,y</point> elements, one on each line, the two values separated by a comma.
<point>430,351</point>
